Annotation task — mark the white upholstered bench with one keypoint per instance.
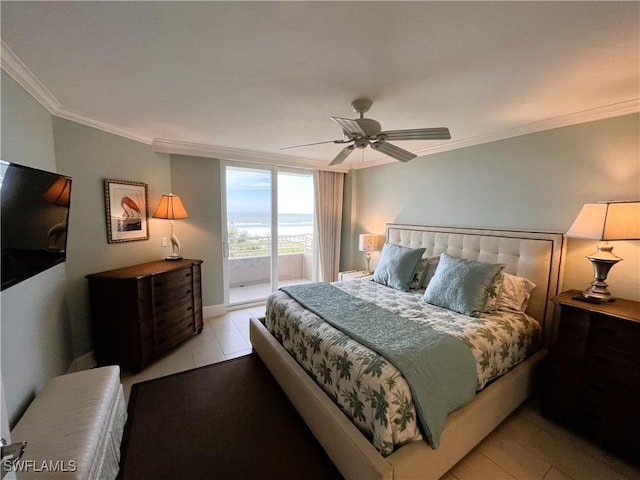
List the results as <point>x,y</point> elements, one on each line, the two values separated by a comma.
<point>74,427</point>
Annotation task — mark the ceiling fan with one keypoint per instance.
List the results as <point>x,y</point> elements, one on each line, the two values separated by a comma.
<point>361,132</point>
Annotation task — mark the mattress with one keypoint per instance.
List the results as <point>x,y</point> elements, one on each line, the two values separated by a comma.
<point>365,385</point>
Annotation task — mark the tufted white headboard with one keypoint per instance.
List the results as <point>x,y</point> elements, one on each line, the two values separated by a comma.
<point>533,255</point>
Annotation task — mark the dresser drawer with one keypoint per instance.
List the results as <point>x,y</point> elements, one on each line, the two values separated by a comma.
<point>162,284</point>
<point>168,318</point>
<point>146,329</point>
<point>575,324</point>
<point>172,298</point>
<point>615,333</point>
<point>614,368</point>
<point>613,427</point>
<point>175,334</point>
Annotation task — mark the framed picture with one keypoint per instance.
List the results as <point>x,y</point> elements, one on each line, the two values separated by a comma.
<point>126,204</point>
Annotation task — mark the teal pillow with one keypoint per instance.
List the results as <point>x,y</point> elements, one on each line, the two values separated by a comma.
<point>462,285</point>
<point>397,265</point>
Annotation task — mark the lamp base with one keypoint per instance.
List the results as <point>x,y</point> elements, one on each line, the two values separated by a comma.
<point>367,271</point>
<point>597,294</point>
<point>173,258</point>
<point>602,261</point>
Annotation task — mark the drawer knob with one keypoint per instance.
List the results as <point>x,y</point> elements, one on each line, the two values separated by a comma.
<point>159,322</point>
<point>188,275</point>
<point>189,308</point>
<point>188,291</point>
<point>603,360</point>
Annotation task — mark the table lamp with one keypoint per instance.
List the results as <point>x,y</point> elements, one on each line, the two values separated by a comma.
<point>368,242</point>
<point>605,221</point>
<point>171,208</point>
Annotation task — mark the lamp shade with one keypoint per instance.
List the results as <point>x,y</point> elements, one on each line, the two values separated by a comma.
<point>59,192</point>
<point>367,242</point>
<point>607,221</point>
<point>170,208</point>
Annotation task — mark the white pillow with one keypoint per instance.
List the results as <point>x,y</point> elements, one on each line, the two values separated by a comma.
<point>514,293</point>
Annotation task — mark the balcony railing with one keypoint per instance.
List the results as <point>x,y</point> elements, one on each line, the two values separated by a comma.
<point>250,259</point>
<point>243,246</point>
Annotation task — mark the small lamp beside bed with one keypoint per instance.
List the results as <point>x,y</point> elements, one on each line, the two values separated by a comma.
<point>368,242</point>
<point>605,221</point>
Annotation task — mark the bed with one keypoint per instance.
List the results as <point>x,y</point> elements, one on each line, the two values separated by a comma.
<point>536,256</point>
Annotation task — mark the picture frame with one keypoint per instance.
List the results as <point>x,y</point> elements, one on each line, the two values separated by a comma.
<point>126,210</point>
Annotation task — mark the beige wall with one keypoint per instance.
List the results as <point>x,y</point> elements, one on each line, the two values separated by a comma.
<point>538,181</point>
<point>90,156</point>
<point>197,181</point>
<point>35,340</point>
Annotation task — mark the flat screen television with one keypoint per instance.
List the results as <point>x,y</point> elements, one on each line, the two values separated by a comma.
<point>34,215</point>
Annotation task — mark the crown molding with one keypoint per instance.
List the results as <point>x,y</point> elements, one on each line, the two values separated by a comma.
<point>100,125</point>
<point>26,79</point>
<point>17,70</point>
<point>599,113</point>
<point>162,145</point>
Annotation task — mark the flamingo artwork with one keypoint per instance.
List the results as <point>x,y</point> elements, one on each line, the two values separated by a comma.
<point>130,208</point>
<point>126,204</point>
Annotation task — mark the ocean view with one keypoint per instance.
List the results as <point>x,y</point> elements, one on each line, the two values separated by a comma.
<point>258,224</point>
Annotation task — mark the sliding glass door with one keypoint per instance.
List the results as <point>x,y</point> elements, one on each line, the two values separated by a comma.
<point>296,240</point>
<point>269,237</point>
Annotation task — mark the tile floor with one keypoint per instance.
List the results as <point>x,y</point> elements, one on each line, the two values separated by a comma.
<point>525,447</point>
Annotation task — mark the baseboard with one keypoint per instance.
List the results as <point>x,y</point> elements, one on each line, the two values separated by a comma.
<point>88,361</point>
<point>214,310</point>
<point>85,362</point>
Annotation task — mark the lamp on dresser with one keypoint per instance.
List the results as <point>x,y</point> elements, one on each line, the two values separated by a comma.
<point>171,208</point>
<point>368,242</point>
<point>605,221</point>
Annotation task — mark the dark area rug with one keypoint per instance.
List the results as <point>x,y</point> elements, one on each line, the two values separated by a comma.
<point>224,421</point>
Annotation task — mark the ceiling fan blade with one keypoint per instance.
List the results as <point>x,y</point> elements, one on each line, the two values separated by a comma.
<point>342,155</point>
<point>393,151</point>
<point>316,143</point>
<point>439,133</point>
<point>350,127</point>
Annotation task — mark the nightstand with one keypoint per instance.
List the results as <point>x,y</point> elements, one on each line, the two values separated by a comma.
<point>593,374</point>
<point>353,275</point>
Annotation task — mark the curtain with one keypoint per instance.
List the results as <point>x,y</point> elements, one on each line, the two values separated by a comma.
<point>328,188</point>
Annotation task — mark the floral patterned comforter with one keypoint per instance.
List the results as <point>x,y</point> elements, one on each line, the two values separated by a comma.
<point>366,386</point>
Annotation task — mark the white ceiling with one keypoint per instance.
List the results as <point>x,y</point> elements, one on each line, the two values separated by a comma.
<point>245,79</point>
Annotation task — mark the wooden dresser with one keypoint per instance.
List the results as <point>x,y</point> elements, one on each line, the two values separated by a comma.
<point>141,311</point>
<point>593,377</point>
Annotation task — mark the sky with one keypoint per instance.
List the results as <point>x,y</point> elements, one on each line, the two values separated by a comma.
<point>249,190</point>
